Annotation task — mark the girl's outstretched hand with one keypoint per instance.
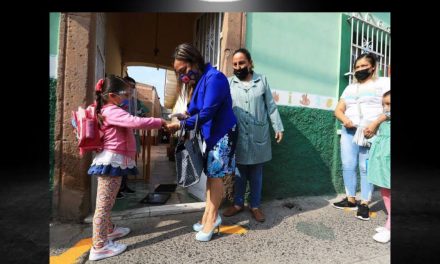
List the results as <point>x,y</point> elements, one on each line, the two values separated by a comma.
<point>173,127</point>
<point>164,124</point>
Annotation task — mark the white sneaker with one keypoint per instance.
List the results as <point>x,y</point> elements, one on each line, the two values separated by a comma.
<point>383,237</point>
<point>380,229</point>
<point>109,250</point>
<point>118,232</point>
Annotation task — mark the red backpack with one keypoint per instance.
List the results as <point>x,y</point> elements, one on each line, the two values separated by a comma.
<point>87,130</point>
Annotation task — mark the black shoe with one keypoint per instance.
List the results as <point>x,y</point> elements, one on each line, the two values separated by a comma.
<point>128,190</point>
<point>345,203</point>
<point>363,212</point>
<point>120,195</point>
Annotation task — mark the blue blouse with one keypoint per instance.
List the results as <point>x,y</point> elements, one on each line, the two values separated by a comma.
<point>212,100</point>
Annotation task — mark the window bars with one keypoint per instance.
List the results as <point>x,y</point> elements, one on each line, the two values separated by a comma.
<point>208,37</point>
<point>369,35</point>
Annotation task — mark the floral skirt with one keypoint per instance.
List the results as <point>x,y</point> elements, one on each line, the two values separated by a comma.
<point>220,160</point>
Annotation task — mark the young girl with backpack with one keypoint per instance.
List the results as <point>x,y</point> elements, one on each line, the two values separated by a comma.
<point>115,160</point>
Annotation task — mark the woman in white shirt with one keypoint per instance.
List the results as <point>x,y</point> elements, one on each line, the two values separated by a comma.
<point>360,107</point>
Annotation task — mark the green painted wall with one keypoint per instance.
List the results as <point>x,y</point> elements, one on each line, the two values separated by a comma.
<point>54,20</point>
<point>294,49</point>
<point>307,53</point>
<point>301,52</point>
<point>303,163</point>
<point>344,65</point>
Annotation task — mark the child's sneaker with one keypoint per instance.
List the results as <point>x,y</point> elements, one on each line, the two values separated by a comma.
<point>118,232</point>
<point>383,237</point>
<point>363,212</point>
<point>109,250</point>
<point>380,229</point>
<point>345,203</point>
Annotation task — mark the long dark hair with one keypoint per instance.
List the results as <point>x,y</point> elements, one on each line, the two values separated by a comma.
<point>111,84</point>
<point>247,54</point>
<point>129,79</point>
<point>189,53</point>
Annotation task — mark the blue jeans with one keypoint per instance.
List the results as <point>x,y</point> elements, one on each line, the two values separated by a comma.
<point>254,174</point>
<point>351,154</point>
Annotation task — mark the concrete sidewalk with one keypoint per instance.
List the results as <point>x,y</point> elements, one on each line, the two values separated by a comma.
<point>297,230</point>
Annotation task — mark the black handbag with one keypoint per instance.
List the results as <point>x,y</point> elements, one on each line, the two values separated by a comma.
<point>189,157</point>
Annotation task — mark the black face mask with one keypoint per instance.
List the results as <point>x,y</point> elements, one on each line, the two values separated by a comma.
<point>241,73</point>
<point>362,74</point>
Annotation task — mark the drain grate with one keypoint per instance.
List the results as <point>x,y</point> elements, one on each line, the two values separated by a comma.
<point>156,198</point>
<point>165,188</point>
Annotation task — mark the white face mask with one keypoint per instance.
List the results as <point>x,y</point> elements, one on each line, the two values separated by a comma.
<point>387,114</point>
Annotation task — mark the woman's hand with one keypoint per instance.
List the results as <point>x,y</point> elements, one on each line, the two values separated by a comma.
<point>340,115</point>
<point>179,116</point>
<point>348,123</point>
<point>279,136</point>
<point>183,116</point>
<point>173,127</point>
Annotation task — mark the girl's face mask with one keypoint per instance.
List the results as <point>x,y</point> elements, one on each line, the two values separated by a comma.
<point>124,103</point>
<point>387,106</point>
<point>119,98</point>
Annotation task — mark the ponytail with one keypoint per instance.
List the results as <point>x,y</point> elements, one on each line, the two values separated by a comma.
<point>111,84</point>
<point>99,101</point>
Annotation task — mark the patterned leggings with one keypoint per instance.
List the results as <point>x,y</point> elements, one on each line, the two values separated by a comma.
<point>108,187</point>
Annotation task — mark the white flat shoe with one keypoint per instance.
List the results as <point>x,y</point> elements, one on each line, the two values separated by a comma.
<point>380,229</point>
<point>383,237</point>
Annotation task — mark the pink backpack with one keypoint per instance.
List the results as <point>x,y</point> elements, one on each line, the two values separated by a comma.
<point>87,130</point>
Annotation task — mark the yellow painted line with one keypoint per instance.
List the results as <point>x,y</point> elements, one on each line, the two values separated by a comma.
<point>84,245</point>
<point>73,253</point>
<point>234,229</point>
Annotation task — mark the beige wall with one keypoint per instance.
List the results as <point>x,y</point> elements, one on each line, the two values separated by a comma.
<point>113,48</point>
<point>76,76</point>
<point>138,39</point>
<point>234,35</point>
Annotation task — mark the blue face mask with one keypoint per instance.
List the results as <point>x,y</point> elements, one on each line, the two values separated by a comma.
<point>124,103</point>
